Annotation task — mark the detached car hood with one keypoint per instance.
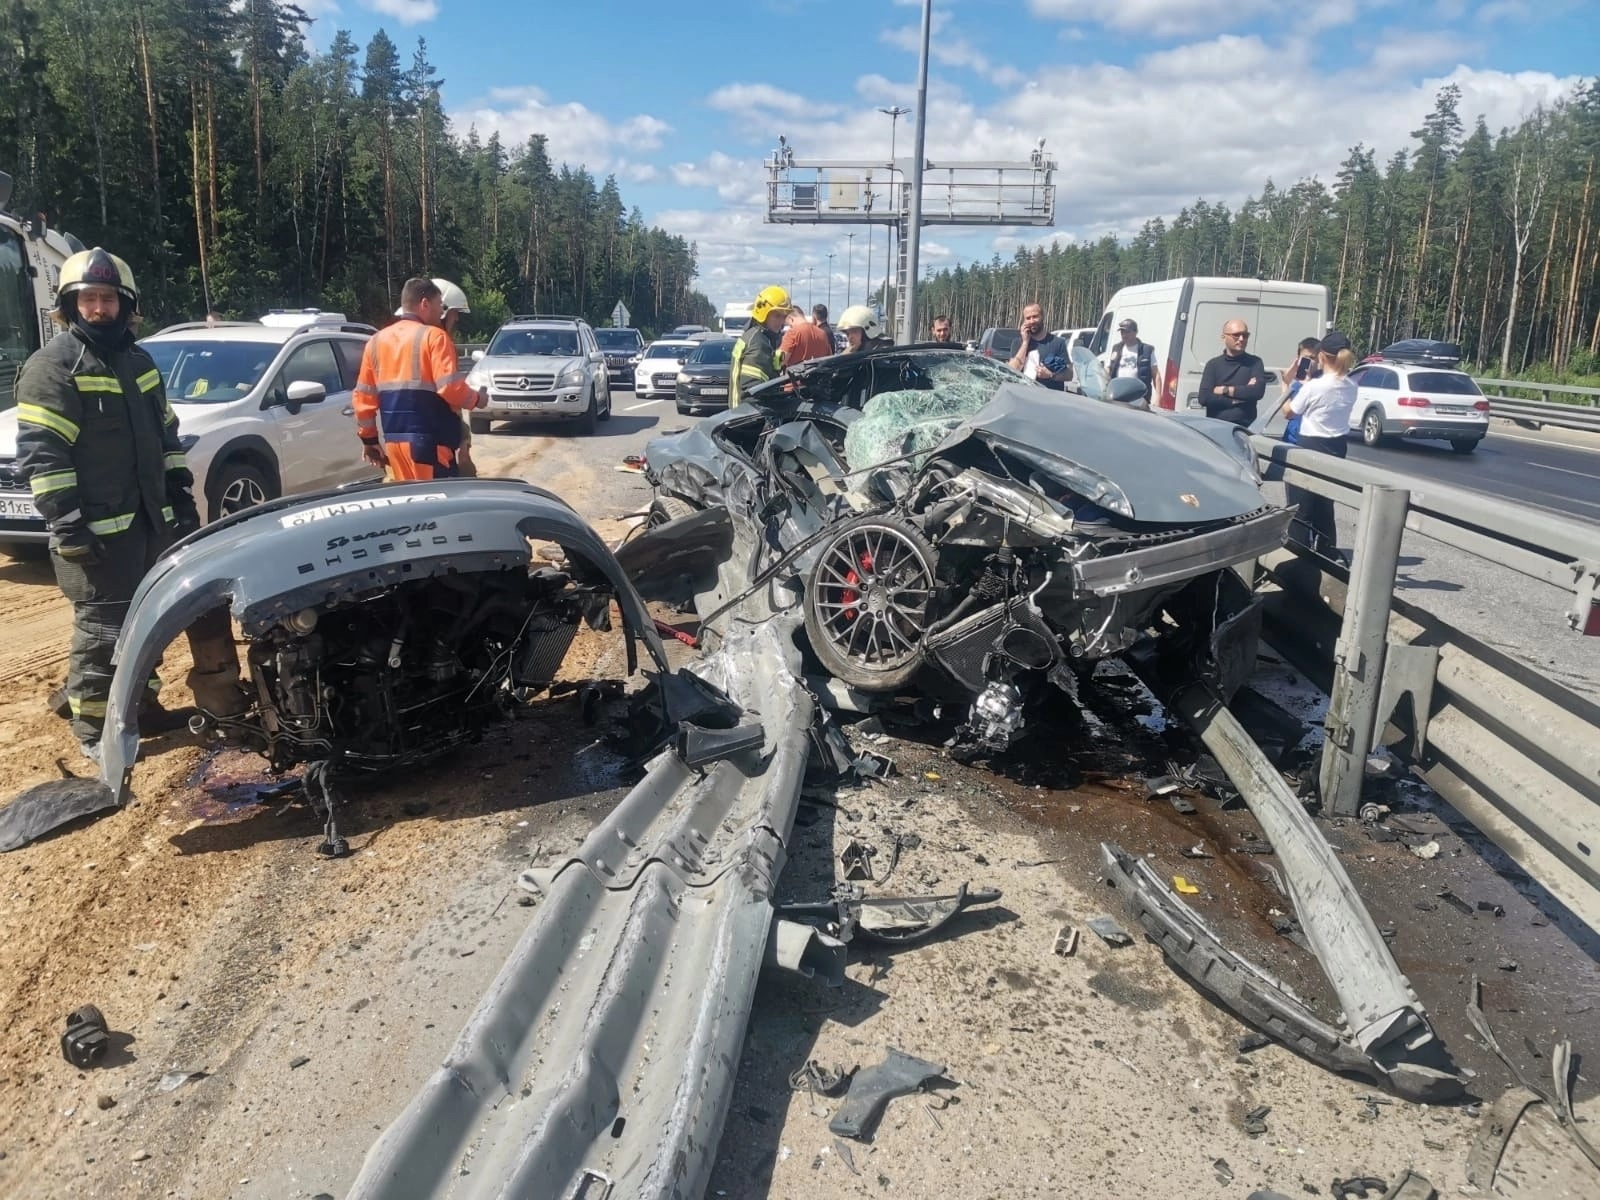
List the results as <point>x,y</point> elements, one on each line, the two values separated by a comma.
<point>1198,478</point>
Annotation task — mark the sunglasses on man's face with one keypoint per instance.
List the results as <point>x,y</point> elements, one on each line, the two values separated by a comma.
<point>1236,335</point>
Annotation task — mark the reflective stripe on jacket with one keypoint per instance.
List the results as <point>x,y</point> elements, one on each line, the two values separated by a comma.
<point>411,382</point>
<point>755,360</point>
<point>96,439</point>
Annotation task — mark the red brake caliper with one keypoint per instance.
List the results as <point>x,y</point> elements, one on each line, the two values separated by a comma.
<point>850,595</point>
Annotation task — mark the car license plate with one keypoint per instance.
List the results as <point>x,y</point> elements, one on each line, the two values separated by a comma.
<point>705,391</point>
<point>520,403</point>
<point>19,506</point>
<point>1452,410</point>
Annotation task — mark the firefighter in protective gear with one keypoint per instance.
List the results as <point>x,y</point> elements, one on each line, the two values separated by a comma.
<point>98,444</point>
<point>411,379</point>
<point>860,325</point>
<point>756,356</point>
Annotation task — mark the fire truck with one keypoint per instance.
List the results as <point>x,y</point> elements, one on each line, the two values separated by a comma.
<point>31,256</point>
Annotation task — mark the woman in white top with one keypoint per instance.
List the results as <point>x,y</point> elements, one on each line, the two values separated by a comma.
<point>1323,405</point>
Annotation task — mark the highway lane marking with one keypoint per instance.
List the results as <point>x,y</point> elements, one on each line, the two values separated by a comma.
<point>646,404</point>
<point>1563,470</point>
<point>1539,441</point>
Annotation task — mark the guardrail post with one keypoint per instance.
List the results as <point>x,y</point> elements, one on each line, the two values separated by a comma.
<point>1358,658</point>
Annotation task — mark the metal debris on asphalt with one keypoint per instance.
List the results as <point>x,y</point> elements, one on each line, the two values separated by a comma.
<point>1109,931</point>
<point>817,1079</point>
<point>871,1089</point>
<point>1255,1121</point>
<point>87,1038</point>
<point>1223,1170</point>
<point>1067,941</point>
<point>856,860</point>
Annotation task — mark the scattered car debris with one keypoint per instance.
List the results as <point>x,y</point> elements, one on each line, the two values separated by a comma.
<point>1066,944</point>
<point>87,1038</point>
<point>1252,1041</point>
<point>842,1149</point>
<point>818,1079</point>
<point>898,843</point>
<point>1161,785</point>
<point>1266,1195</point>
<point>1455,902</point>
<point>1223,1170</point>
<point>1198,850</point>
<point>1412,1187</point>
<point>871,765</point>
<point>1369,1106</point>
<point>1489,907</point>
<point>1255,1121</point>
<point>895,920</point>
<point>1181,806</point>
<point>1183,887</point>
<point>1109,931</point>
<point>173,1080</point>
<point>873,1087</point>
<point>1359,1187</point>
<point>856,860</point>
<point>1428,850</point>
<point>298,1061</point>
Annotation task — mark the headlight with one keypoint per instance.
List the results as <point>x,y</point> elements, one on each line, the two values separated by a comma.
<point>571,377</point>
<point>683,377</point>
<point>189,441</point>
<point>477,379</point>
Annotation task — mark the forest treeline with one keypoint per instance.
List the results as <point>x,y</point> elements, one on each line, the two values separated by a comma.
<point>237,169</point>
<point>1484,239</point>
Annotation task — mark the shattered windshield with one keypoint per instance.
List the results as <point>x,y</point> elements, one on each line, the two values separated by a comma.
<point>913,420</point>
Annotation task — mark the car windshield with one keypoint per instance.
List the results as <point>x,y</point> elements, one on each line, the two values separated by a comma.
<point>617,339</point>
<point>539,342</point>
<point>210,372</point>
<point>1447,383</point>
<point>663,350</point>
<point>713,353</point>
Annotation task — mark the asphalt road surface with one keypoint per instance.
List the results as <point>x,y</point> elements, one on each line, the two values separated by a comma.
<point>1541,469</point>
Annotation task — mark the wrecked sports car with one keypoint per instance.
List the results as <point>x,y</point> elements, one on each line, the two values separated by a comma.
<point>384,626</point>
<point>944,521</point>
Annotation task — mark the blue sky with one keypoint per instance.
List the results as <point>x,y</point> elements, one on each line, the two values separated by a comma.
<point>1146,104</point>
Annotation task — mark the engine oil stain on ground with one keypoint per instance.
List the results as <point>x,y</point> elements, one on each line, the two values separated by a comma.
<point>230,783</point>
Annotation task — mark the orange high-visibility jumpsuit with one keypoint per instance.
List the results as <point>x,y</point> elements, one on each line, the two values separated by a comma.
<point>411,380</point>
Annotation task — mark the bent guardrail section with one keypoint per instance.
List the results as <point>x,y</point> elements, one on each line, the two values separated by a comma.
<point>1513,751</point>
<point>601,1061</point>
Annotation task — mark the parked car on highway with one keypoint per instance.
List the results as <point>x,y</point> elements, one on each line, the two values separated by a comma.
<point>1074,337</point>
<point>1404,400</point>
<point>264,410</point>
<point>541,368</point>
<point>622,347</point>
<point>683,331</point>
<point>999,342</point>
<point>702,384</point>
<point>657,372</point>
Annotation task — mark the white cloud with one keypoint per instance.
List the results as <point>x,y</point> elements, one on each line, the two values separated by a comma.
<point>407,12</point>
<point>953,51</point>
<point>746,98</point>
<point>1413,54</point>
<point>1153,18</point>
<point>576,135</point>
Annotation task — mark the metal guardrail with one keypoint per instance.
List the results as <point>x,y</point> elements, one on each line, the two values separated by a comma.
<point>1513,751</point>
<point>1582,412</point>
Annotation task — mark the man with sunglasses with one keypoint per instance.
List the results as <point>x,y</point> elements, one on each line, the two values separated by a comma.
<point>1235,380</point>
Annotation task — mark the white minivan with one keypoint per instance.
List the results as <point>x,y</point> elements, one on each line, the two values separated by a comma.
<point>1183,319</point>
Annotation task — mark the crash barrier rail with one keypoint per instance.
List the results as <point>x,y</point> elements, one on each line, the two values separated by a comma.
<point>1582,411</point>
<point>1513,751</point>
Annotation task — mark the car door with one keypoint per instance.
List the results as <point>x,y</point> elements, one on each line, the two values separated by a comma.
<point>316,439</point>
<point>1359,378</point>
<point>597,368</point>
<point>347,464</point>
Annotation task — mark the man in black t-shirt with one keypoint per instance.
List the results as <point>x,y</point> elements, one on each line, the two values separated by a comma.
<point>1041,356</point>
<point>1234,381</point>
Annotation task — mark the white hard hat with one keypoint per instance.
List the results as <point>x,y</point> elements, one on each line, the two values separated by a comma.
<point>450,294</point>
<point>859,316</point>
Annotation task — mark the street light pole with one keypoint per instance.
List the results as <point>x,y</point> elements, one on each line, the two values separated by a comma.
<point>914,218</point>
<point>850,266</point>
<point>808,287</point>
<point>831,257</point>
<point>894,114</point>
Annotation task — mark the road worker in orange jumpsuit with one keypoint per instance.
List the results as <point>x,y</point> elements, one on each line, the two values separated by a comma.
<point>412,389</point>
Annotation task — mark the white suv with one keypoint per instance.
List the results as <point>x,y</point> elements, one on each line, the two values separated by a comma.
<point>657,372</point>
<point>540,368</point>
<point>1405,400</point>
<point>264,410</point>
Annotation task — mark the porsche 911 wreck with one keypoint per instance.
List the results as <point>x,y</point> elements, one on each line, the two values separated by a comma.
<point>385,625</point>
<point>946,522</point>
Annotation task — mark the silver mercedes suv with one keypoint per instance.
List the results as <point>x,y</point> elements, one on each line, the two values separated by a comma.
<point>541,368</point>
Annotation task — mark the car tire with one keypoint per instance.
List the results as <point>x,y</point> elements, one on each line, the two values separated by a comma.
<point>667,508</point>
<point>1372,427</point>
<point>479,424</point>
<point>586,421</point>
<point>843,592</point>
<point>237,485</point>
<point>1465,445</point>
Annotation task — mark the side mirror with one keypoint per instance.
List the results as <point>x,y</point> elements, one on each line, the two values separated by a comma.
<point>304,391</point>
<point>1126,391</point>
<point>477,356</point>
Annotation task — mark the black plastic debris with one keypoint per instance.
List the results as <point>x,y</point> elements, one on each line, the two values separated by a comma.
<point>1265,1195</point>
<point>1255,1121</point>
<point>1109,932</point>
<point>873,1087</point>
<point>1359,1187</point>
<point>1223,1170</point>
<point>871,765</point>
<point>87,1039</point>
<point>1490,907</point>
<point>1456,902</point>
<point>1252,1041</point>
<point>698,746</point>
<point>1161,785</point>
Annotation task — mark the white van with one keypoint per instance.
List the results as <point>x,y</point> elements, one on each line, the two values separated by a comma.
<point>1183,319</point>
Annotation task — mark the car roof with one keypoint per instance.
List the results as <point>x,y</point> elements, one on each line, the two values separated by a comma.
<point>526,322</point>
<point>248,331</point>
